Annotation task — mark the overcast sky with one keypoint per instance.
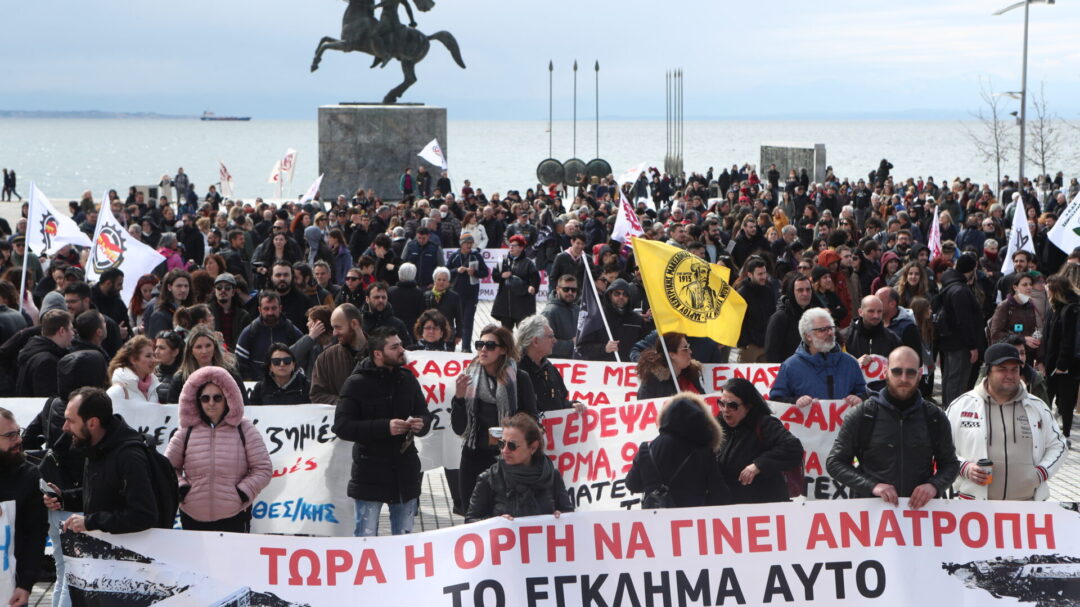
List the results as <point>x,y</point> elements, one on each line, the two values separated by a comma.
<point>772,58</point>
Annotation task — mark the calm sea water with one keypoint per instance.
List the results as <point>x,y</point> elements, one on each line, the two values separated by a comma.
<point>67,157</point>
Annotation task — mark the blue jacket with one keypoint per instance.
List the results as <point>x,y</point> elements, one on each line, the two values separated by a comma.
<point>425,257</point>
<point>460,283</point>
<point>831,375</point>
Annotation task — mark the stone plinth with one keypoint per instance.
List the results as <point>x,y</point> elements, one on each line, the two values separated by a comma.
<point>796,156</point>
<point>370,146</point>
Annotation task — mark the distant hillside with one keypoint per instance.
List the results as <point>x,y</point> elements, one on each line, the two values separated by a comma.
<point>85,114</point>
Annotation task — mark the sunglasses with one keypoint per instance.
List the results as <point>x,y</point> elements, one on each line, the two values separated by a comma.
<point>511,445</point>
<point>352,278</point>
<point>486,345</point>
<point>568,289</point>
<point>902,372</point>
<point>281,362</point>
<point>223,287</point>
<point>217,398</point>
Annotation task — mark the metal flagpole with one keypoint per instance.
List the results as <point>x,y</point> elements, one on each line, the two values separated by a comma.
<point>26,246</point>
<point>600,306</point>
<point>667,357</point>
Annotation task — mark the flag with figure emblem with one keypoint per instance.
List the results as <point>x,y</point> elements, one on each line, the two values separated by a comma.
<point>688,294</point>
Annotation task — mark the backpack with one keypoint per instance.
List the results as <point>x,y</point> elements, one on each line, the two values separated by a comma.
<point>794,477</point>
<point>939,316</point>
<point>658,495</point>
<point>165,485</point>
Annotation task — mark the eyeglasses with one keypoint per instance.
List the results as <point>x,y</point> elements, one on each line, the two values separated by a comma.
<point>823,329</point>
<point>217,398</point>
<point>804,267</point>
<point>504,444</point>
<point>904,372</point>
<point>730,405</point>
<point>14,434</point>
<point>568,289</point>
<point>281,362</point>
<point>486,345</point>
<point>223,287</point>
<point>685,348</point>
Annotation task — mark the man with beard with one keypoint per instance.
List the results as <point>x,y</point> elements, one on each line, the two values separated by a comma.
<point>1001,421</point>
<point>106,296</point>
<point>19,483</point>
<point>867,335</point>
<point>903,443</point>
<point>782,333</point>
<point>562,316</point>
<point>381,410</point>
<point>760,298</point>
<point>117,495</point>
<point>230,317</point>
<point>336,363</point>
<point>77,296</point>
<point>294,304</point>
<point>819,369</point>
<point>269,328</point>
<point>627,327</point>
<point>377,312</point>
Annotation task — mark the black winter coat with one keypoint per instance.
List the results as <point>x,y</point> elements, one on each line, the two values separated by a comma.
<point>37,367</point>
<point>860,339</point>
<point>547,383</point>
<point>268,392</point>
<point>386,468</point>
<point>373,319</point>
<point>760,306</point>
<point>513,300</point>
<point>963,313</point>
<point>20,484</point>
<point>684,433</point>
<point>117,493</point>
<point>408,302</point>
<point>759,439</point>
<point>449,305</point>
<point>627,328</point>
<point>782,335</point>
<point>902,448</point>
<point>497,492</point>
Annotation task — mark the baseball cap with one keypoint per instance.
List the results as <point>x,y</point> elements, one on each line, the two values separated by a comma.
<point>999,354</point>
<point>225,277</point>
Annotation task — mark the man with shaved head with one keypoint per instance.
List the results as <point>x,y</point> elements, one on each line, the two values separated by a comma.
<point>904,444</point>
<point>867,334</point>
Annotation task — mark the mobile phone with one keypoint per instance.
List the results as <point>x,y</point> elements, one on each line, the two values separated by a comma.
<point>46,489</point>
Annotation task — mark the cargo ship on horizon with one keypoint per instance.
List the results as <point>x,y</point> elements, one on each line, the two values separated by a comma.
<point>208,115</point>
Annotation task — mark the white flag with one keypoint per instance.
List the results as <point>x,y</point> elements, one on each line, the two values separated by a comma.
<point>935,237</point>
<point>1019,239</point>
<point>434,154</point>
<point>275,175</point>
<point>288,164</point>
<point>1066,231</point>
<point>226,180</point>
<point>631,175</point>
<point>313,191</point>
<point>113,247</point>
<point>626,224</point>
<point>48,231</point>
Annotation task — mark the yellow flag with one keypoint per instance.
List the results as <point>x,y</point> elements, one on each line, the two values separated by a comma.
<point>688,294</point>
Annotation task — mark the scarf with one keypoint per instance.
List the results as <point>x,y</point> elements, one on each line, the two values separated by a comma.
<point>505,398</point>
<point>437,294</point>
<point>144,385</point>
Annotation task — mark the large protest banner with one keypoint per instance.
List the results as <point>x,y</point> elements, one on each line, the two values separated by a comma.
<point>815,553</point>
<point>7,549</point>
<point>488,287</point>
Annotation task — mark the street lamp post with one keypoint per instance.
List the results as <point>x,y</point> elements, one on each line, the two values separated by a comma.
<point>1023,79</point>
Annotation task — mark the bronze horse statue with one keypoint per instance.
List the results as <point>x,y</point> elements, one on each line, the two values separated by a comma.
<point>386,39</point>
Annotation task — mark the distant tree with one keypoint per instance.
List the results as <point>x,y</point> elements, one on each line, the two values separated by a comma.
<point>1045,141</point>
<point>992,137</point>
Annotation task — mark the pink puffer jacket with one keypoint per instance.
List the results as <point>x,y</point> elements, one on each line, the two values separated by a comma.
<point>216,466</point>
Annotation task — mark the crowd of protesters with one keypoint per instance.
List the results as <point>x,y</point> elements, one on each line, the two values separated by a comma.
<point>318,302</point>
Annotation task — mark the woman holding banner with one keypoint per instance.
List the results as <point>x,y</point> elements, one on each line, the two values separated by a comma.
<point>757,448</point>
<point>654,375</point>
<point>491,388</point>
<point>523,482</point>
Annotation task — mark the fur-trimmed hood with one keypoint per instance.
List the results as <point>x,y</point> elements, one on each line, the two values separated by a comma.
<point>687,416</point>
<point>191,413</point>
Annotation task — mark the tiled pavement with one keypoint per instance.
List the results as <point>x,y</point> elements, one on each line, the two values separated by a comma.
<point>435,505</point>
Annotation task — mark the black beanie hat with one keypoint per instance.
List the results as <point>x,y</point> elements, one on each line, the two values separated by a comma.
<point>965,264</point>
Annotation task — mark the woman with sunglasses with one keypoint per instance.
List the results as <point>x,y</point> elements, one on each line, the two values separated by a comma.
<point>132,372</point>
<point>682,456</point>
<point>523,482</point>
<point>491,388</point>
<point>284,382</point>
<point>757,449</point>
<point>220,458</point>
<point>654,376</point>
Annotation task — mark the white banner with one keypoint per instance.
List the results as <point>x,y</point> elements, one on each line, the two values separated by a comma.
<point>488,287</point>
<point>818,553</point>
<point>7,549</point>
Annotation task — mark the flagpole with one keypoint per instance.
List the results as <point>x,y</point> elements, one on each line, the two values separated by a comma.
<point>667,357</point>
<point>600,306</point>
<point>26,244</point>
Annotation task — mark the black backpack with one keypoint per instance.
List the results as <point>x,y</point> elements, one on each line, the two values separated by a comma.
<point>940,318</point>
<point>658,493</point>
<point>165,484</point>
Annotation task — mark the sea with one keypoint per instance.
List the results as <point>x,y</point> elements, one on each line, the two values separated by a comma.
<point>69,156</point>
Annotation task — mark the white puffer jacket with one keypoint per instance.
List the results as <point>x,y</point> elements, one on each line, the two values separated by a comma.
<point>125,386</point>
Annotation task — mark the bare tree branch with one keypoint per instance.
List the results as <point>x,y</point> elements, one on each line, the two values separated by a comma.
<point>992,137</point>
<point>1045,142</point>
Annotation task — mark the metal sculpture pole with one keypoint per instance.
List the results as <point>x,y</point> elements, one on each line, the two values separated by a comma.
<point>667,119</point>
<point>574,147</point>
<point>597,109</point>
<point>551,84</point>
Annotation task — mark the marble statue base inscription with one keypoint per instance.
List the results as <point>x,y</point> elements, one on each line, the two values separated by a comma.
<point>370,146</point>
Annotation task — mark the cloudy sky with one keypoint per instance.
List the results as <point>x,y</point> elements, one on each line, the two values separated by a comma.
<point>773,58</point>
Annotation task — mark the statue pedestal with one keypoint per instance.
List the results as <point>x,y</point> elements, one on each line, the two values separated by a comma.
<point>370,146</point>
